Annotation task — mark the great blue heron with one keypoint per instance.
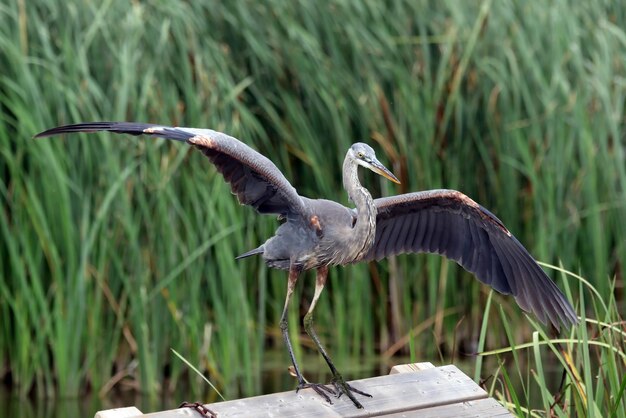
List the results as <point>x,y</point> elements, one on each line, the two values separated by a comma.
<point>317,233</point>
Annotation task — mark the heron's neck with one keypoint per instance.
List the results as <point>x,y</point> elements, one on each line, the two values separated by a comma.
<point>364,229</point>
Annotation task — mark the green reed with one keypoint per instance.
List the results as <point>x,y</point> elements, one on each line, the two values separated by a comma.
<point>580,373</point>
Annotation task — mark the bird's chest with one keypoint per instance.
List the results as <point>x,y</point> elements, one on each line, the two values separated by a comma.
<point>366,238</point>
<point>340,243</point>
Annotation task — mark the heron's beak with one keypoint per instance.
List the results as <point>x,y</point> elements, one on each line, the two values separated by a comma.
<point>378,168</point>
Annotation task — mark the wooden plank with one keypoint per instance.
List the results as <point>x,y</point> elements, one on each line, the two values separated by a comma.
<point>411,367</point>
<point>127,412</point>
<point>487,407</point>
<point>391,394</point>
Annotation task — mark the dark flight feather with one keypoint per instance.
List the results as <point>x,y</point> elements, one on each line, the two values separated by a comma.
<point>448,223</point>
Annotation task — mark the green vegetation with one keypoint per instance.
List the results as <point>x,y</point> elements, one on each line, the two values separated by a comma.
<point>115,250</point>
<point>579,374</point>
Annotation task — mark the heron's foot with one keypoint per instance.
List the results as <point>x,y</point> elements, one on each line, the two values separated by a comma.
<point>344,387</point>
<point>200,408</point>
<point>320,389</point>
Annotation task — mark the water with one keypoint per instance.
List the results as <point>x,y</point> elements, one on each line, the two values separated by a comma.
<point>87,406</point>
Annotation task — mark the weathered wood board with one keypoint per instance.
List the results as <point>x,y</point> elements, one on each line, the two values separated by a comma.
<point>409,390</point>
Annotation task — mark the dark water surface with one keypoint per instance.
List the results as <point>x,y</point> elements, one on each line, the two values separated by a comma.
<point>86,406</point>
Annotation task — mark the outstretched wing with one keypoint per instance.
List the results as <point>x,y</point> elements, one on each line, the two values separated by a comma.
<point>253,178</point>
<point>449,223</point>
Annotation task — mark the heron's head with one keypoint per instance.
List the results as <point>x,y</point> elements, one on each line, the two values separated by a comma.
<point>365,156</point>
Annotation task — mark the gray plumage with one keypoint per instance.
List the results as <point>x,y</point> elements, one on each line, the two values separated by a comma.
<point>318,233</point>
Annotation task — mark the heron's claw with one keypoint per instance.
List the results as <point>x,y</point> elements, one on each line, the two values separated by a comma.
<point>344,387</point>
<point>320,389</point>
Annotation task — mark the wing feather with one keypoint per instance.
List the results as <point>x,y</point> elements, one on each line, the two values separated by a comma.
<point>404,227</point>
<point>449,223</point>
<point>394,231</point>
<point>253,178</point>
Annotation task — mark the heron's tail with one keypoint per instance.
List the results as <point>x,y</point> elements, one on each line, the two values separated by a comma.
<point>256,251</point>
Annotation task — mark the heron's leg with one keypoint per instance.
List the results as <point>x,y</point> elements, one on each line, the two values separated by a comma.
<point>338,381</point>
<point>294,273</point>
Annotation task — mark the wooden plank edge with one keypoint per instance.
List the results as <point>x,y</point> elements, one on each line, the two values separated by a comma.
<point>487,407</point>
<point>411,367</point>
<point>128,412</point>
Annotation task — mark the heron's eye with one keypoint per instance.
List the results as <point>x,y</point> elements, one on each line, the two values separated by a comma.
<point>360,154</point>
